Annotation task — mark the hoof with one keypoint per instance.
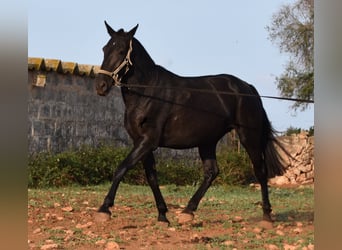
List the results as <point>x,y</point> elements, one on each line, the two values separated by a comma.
<point>102,217</point>
<point>266,224</point>
<point>185,218</point>
<point>163,221</point>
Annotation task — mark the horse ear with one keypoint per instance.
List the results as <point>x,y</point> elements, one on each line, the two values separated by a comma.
<point>132,31</point>
<point>110,31</point>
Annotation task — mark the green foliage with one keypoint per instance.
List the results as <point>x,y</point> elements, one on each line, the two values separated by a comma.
<point>92,166</point>
<point>311,131</point>
<point>235,168</point>
<point>292,130</point>
<point>84,166</point>
<point>292,29</point>
<point>179,172</point>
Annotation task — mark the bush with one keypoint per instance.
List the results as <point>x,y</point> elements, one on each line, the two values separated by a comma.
<point>92,166</point>
<point>85,166</point>
<point>292,130</point>
<point>235,168</point>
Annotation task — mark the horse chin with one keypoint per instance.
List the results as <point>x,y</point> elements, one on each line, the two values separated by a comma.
<point>103,92</point>
<point>100,93</point>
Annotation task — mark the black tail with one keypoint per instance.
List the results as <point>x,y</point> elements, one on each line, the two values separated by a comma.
<point>272,158</point>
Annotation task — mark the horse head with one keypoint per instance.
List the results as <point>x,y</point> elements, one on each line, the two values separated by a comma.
<point>117,59</point>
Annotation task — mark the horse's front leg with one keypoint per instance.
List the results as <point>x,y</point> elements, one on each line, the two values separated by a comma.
<point>138,152</point>
<point>151,174</point>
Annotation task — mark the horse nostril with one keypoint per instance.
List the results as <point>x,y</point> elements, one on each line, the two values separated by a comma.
<point>101,88</point>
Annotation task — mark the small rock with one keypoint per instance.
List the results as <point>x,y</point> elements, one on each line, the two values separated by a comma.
<point>297,230</point>
<point>257,230</point>
<point>87,225</point>
<point>49,246</point>
<point>228,243</point>
<point>281,180</point>
<point>67,209</point>
<point>195,238</point>
<point>237,219</point>
<point>69,232</point>
<point>280,233</point>
<point>299,224</point>
<point>271,247</point>
<point>289,247</point>
<point>37,231</point>
<point>100,242</point>
<point>112,245</point>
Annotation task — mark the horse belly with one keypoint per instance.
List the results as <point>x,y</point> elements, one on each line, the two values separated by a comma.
<point>188,131</point>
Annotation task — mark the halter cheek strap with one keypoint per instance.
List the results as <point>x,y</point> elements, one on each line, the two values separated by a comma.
<point>125,63</point>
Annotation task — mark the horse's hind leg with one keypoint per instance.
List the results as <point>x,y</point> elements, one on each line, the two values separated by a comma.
<point>208,156</point>
<point>251,140</point>
<point>151,174</point>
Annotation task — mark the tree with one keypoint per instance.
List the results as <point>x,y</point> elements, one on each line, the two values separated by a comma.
<point>292,29</point>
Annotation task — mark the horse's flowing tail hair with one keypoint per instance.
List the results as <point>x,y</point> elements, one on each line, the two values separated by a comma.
<point>272,159</point>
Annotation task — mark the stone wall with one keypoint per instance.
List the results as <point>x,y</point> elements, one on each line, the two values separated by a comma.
<point>64,110</point>
<point>300,166</point>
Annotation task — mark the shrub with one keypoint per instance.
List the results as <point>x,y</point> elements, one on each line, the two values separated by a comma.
<point>92,166</point>
<point>85,166</point>
<point>235,168</point>
<point>292,130</point>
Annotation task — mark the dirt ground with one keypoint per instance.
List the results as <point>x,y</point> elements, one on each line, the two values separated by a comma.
<point>57,226</point>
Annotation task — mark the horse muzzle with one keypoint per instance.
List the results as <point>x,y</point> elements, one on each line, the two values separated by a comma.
<point>102,88</point>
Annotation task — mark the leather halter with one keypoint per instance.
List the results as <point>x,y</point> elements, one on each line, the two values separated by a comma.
<point>125,63</point>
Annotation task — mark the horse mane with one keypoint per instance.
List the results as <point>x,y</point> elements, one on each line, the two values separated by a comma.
<point>140,52</point>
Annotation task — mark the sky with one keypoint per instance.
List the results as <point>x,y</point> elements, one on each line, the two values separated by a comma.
<point>189,38</point>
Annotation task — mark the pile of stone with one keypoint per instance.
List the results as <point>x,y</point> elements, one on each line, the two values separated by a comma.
<point>300,166</point>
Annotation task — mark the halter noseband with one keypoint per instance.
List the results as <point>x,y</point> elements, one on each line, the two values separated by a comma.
<point>125,63</point>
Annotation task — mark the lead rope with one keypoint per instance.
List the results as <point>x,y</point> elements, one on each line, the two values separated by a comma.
<point>127,62</point>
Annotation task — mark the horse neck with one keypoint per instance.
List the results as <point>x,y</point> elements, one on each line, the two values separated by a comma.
<point>144,66</point>
<point>144,72</point>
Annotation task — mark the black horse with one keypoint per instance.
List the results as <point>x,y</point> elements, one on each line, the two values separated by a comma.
<point>167,110</point>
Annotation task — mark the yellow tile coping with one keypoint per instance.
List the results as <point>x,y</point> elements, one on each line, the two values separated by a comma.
<point>44,64</point>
